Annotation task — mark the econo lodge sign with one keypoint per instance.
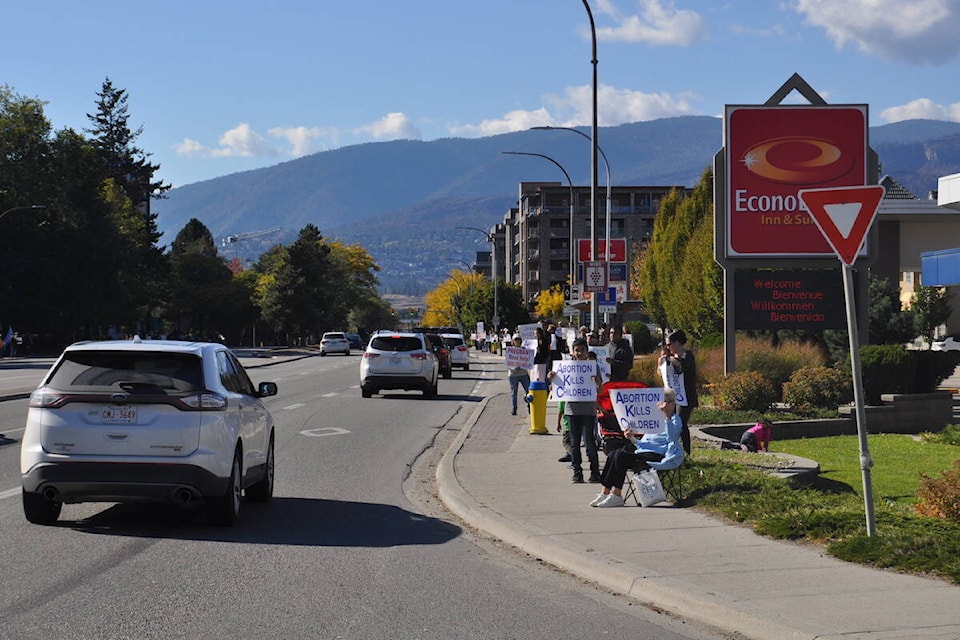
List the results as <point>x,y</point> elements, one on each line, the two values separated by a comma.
<point>774,152</point>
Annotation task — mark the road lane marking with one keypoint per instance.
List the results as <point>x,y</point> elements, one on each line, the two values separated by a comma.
<point>9,493</point>
<point>294,406</point>
<point>324,431</point>
<point>331,394</point>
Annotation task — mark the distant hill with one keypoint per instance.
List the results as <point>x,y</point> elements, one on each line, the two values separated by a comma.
<point>401,200</point>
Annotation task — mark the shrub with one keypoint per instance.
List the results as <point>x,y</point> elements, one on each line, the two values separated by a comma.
<point>950,434</point>
<point>940,497</point>
<point>643,340</point>
<point>776,364</point>
<point>887,368</point>
<point>931,368</point>
<point>745,391</point>
<point>813,387</point>
<point>645,370</point>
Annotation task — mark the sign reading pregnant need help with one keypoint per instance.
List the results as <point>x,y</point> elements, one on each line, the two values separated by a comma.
<point>574,381</point>
<point>637,410</point>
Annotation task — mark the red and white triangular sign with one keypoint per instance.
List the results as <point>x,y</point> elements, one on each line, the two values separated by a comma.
<point>844,215</point>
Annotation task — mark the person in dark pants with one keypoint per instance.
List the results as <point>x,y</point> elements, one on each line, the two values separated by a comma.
<point>678,368</point>
<point>582,417</point>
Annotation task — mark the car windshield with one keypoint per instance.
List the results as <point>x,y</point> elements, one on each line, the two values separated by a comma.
<point>131,371</point>
<point>333,336</point>
<point>396,343</point>
<point>452,342</point>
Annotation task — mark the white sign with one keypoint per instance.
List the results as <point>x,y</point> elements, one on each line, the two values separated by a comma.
<point>481,334</point>
<point>574,381</point>
<point>672,379</point>
<point>602,354</point>
<point>520,358</point>
<point>637,409</point>
<point>528,332</point>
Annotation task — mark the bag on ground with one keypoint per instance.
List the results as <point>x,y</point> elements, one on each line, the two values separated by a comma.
<point>649,488</point>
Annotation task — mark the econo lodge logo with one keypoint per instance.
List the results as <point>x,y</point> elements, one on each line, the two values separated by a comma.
<point>797,160</point>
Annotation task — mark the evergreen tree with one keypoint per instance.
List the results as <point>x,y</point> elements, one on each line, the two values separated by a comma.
<point>932,308</point>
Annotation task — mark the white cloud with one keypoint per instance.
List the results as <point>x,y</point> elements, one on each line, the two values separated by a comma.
<point>306,140</point>
<point>917,32</point>
<point>239,142</point>
<point>393,126</point>
<point>658,23</point>
<point>922,108</point>
<point>575,108</point>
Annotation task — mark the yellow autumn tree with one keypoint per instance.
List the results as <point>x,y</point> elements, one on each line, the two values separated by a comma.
<point>550,303</point>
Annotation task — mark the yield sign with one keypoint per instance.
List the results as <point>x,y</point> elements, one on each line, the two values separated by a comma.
<point>844,215</point>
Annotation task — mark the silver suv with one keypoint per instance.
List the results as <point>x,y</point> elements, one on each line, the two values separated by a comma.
<point>396,360</point>
<point>147,421</point>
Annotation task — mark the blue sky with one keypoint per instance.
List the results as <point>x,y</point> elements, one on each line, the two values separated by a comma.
<point>225,86</point>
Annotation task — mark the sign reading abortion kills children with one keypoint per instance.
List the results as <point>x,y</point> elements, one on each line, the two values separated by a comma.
<point>771,299</point>
<point>637,409</point>
<point>574,381</point>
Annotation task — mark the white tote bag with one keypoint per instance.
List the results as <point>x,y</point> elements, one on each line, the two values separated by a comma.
<point>649,488</point>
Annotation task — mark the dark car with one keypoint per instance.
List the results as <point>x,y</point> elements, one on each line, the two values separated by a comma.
<point>440,349</point>
<point>356,342</point>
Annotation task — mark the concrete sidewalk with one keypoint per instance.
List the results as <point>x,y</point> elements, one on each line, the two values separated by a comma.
<point>508,483</point>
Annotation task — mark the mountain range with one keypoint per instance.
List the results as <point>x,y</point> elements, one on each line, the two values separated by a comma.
<point>402,200</point>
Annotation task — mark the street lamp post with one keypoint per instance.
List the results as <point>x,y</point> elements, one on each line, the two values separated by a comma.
<point>593,161</point>
<point>493,272</point>
<point>573,271</point>
<point>609,209</point>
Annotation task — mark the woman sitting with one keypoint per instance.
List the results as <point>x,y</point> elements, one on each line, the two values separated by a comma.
<point>661,451</point>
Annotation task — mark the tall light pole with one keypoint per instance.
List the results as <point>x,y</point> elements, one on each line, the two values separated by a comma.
<point>593,161</point>
<point>493,272</point>
<point>606,165</point>
<point>573,271</point>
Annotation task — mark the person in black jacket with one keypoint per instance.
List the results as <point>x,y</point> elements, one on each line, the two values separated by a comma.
<point>621,355</point>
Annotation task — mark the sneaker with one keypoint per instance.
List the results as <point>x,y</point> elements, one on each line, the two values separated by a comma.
<point>612,500</point>
<point>594,478</point>
<point>577,477</point>
<point>513,411</point>
<point>600,498</point>
<point>566,458</point>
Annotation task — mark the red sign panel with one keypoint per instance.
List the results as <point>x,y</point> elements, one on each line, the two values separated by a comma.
<point>774,152</point>
<point>618,250</point>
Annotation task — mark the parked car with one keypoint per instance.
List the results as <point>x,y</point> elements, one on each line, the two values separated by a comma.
<point>440,350</point>
<point>398,360</point>
<point>147,421</point>
<point>459,350</point>
<point>356,342</point>
<point>947,343</point>
<point>334,342</point>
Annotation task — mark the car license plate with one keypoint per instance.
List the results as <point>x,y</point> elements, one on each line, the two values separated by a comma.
<point>395,361</point>
<point>118,415</point>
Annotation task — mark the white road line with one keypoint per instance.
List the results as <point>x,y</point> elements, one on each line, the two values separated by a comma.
<point>294,406</point>
<point>331,394</point>
<point>324,431</point>
<point>5,431</point>
<point>9,493</point>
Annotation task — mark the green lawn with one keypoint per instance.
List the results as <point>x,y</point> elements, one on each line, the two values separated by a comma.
<point>898,461</point>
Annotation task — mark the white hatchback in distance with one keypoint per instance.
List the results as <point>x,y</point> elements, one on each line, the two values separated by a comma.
<point>147,421</point>
<point>459,351</point>
<point>334,342</point>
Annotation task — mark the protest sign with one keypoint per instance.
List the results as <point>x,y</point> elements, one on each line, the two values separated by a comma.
<point>574,381</point>
<point>637,410</point>
<point>673,379</point>
<point>602,354</point>
<point>520,358</point>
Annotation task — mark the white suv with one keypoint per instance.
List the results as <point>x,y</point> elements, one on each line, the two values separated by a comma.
<point>396,360</point>
<point>459,351</point>
<point>334,342</point>
<point>147,421</point>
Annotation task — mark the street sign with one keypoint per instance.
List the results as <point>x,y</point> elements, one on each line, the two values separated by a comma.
<point>595,276</point>
<point>844,215</point>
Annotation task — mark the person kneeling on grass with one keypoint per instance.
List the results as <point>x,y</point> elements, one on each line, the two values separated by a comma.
<point>661,451</point>
<point>753,439</point>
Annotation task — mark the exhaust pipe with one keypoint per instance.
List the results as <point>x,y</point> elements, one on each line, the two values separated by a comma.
<point>51,494</point>
<point>183,496</point>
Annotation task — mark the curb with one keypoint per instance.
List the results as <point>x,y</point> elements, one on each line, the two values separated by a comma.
<point>704,610</point>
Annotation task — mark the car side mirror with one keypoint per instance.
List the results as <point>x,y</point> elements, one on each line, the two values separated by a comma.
<point>267,389</point>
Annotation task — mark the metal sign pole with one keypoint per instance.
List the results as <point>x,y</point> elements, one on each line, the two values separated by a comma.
<point>866,462</point>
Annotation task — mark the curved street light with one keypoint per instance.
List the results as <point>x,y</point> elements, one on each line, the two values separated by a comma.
<point>593,159</point>
<point>606,165</point>
<point>493,271</point>
<point>573,272</point>
<point>22,207</point>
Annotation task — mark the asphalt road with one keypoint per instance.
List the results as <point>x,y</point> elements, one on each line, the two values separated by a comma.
<point>352,546</point>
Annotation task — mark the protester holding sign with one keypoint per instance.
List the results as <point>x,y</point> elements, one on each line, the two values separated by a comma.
<point>576,382</point>
<point>519,361</point>
<point>678,370</point>
<point>660,451</point>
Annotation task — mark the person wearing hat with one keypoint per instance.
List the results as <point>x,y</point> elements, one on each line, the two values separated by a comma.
<point>661,451</point>
<point>518,377</point>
